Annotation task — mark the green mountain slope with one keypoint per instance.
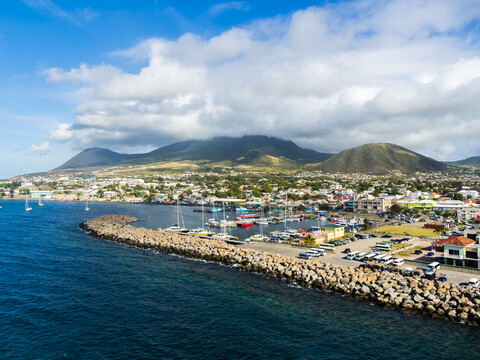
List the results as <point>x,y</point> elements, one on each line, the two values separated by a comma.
<point>379,159</point>
<point>248,150</point>
<point>471,161</point>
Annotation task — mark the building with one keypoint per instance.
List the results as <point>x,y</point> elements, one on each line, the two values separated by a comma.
<point>459,252</point>
<point>426,205</point>
<point>330,230</point>
<point>469,212</point>
<point>369,204</point>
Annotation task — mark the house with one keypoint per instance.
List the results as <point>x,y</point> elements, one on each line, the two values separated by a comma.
<point>455,251</point>
<point>336,231</point>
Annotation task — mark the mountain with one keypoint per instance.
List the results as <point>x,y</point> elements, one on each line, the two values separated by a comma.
<point>471,161</point>
<point>253,150</point>
<point>379,159</point>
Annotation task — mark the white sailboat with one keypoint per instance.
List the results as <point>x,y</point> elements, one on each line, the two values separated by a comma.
<point>40,204</point>
<point>27,208</point>
<point>224,236</point>
<point>201,231</point>
<point>176,228</point>
<point>259,237</point>
<point>86,206</point>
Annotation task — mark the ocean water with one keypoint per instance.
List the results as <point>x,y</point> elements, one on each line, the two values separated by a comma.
<point>64,295</point>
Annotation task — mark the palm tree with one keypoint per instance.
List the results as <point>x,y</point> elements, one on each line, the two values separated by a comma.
<point>309,240</point>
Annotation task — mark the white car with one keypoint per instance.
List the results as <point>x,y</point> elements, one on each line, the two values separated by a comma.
<point>473,282</point>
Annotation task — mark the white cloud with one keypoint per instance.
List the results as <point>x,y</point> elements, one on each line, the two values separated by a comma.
<point>62,133</point>
<point>84,73</point>
<point>40,150</point>
<point>329,78</point>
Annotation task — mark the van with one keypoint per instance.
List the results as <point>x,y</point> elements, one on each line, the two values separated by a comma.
<point>321,252</point>
<point>434,265</point>
<point>398,262</point>
<point>313,253</point>
<point>304,256</point>
<point>429,273</point>
<point>359,256</point>
<point>387,259</point>
<point>377,258</point>
<point>383,247</point>
<point>352,255</point>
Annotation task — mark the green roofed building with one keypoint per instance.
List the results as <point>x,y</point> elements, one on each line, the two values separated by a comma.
<point>337,230</point>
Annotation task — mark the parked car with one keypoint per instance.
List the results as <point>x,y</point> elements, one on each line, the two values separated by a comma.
<point>442,278</point>
<point>386,236</point>
<point>473,282</point>
<point>418,252</point>
<point>346,251</point>
<point>430,253</point>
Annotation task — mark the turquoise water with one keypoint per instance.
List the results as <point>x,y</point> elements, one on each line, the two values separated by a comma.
<point>66,295</point>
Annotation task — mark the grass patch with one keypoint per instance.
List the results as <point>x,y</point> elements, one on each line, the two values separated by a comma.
<point>406,230</point>
<point>409,252</point>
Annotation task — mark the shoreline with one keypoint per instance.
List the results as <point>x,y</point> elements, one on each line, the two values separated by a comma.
<point>403,293</point>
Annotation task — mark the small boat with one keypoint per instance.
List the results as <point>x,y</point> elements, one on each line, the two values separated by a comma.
<point>214,210</point>
<point>224,237</point>
<point>241,208</point>
<point>261,222</point>
<point>244,224</point>
<point>86,206</point>
<point>40,204</point>
<point>176,229</point>
<point>258,237</point>
<point>27,208</point>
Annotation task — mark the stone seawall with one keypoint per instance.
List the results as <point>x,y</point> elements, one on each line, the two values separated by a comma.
<point>453,302</point>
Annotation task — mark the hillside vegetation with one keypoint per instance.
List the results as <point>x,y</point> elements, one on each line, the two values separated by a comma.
<point>379,159</point>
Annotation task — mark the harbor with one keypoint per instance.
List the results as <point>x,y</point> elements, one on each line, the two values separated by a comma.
<point>404,293</point>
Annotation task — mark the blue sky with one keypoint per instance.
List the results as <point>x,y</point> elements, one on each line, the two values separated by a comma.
<point>136,75</point>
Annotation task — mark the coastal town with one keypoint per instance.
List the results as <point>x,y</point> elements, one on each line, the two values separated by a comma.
<point>425,218</point>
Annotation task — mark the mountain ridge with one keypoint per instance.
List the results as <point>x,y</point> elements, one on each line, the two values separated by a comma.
<point>250,149</point>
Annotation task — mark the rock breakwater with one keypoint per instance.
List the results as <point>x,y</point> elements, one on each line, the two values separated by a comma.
<point>408,294</point>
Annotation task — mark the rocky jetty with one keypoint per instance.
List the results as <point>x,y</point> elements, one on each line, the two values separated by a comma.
<point>408,294</point>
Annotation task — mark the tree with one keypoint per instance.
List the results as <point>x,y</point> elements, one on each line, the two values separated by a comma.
<point>309,240</point>
<point>366,224</point>
<point>439,229</point>
<point>458,196</point>
<point>395,209</point>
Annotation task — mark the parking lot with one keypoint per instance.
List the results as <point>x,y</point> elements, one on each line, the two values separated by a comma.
<point>362,245</point>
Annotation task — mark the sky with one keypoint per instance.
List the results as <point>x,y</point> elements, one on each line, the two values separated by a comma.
<point>133,76</point>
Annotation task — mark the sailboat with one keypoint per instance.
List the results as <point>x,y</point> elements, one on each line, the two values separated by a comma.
<point>27,208</point>
<point>176,227</point>
<point>201,232</point>
<point>224,236</point>
<point>86,206</point>
<point>40,204</point>
<point>259,237</point>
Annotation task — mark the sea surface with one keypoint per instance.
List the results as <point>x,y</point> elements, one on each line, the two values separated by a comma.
<point>64,295</point>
